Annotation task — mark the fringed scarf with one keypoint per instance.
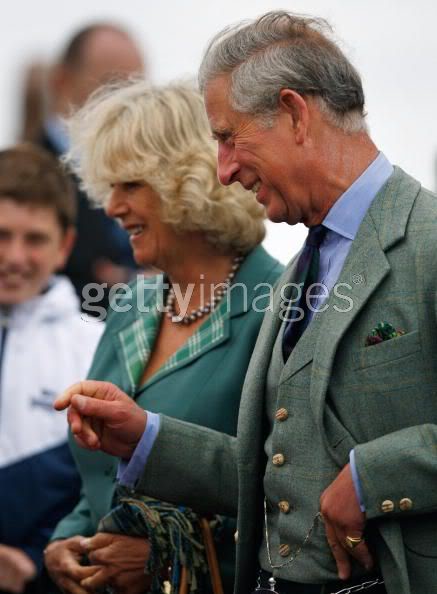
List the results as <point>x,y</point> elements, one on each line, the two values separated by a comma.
<point>174,534</point>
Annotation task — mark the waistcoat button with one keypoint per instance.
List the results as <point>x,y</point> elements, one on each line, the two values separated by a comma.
<point>278,459</point>
<point>284,506</point>
<point>284,550</point>
<point>281,414</point>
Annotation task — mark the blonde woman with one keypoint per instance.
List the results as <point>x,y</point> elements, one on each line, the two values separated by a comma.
<point>180,342</point>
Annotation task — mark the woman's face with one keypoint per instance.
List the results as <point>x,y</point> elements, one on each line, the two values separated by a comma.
<point>137,207</point>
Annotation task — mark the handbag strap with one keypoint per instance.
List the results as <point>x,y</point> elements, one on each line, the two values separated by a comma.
<point>211,557</point>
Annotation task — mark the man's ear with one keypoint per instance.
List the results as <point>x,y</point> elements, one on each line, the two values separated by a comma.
<point>296,107</point>
<point>67,242</point>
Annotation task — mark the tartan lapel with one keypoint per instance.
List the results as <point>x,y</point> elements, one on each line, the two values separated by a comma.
<point>137,340</point>
<point>214,331</point>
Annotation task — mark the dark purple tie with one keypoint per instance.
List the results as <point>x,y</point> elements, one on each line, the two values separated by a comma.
<point>306,274</point>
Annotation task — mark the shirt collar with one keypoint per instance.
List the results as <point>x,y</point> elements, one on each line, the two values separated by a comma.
<point>57,132</point>
<point>349,210</point>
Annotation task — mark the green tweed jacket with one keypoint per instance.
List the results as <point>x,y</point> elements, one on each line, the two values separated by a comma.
<point>380,399</point>
<point>201,383</point>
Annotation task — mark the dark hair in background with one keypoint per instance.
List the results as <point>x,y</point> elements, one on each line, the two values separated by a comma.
<point>30,175</point>
<point>72,54</point>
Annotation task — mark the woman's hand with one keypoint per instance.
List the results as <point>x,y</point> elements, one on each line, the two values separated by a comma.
<point>62,559</point>
<point>102,417</point>
<point>120,561</point>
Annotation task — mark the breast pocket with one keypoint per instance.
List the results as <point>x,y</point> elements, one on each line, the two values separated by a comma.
<point>385,352</point>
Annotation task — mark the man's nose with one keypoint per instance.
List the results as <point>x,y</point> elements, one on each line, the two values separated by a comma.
<point>227,165</point>
<point>16,252</point>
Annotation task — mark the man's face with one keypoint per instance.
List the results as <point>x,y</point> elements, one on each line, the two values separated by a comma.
<point>268,160</point>
<point>32,247</point>
<point>107,56</point>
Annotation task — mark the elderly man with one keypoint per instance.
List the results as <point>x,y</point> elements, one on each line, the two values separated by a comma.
<point>95,55</point>
<point>334,468</point>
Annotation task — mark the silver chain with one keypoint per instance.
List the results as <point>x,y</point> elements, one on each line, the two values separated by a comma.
<point>318,517</point>
<point>360,587</point>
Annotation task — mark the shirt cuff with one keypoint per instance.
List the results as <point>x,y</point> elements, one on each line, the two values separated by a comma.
<point>356,479</point>
<point>129,471</point>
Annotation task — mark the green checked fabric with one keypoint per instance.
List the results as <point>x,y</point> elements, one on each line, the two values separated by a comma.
<point>138,339</point>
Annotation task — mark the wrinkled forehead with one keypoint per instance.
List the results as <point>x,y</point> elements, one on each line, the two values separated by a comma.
<point>217,97</point>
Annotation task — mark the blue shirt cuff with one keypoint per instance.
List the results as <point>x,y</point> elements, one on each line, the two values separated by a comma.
<point>129,471</point>
<point>356,479</point>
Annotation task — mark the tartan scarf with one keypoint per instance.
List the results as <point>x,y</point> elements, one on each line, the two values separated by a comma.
<point>174,534</point>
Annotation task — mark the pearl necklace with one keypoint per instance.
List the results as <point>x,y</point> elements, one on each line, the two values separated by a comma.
<point>209,306</point>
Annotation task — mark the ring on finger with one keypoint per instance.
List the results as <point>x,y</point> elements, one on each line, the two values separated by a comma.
<point>353,541</point>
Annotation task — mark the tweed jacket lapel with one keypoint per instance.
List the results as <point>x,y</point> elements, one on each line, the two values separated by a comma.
<point>252,400</point>
<point>365,268</point>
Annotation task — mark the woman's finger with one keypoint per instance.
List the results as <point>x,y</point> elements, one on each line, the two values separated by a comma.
<point>70,587</point>
<point>99,540</point>
<point>99,579</point>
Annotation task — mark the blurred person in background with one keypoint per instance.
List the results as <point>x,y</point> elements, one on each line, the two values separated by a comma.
<point>95,55</point>
<point>147,155</point>
<point>44,345</point>
<point>33,106</point>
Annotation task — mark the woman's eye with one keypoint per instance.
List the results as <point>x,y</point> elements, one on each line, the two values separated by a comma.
<point>131,186</point>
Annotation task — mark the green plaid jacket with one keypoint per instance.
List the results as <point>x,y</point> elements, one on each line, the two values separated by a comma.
<point>201,383</point>
<point>137,339</point>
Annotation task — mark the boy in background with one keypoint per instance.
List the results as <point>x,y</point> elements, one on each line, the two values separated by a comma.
<point>45,345</point>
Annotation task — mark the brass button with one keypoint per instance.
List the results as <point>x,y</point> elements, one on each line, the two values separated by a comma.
<point>278,459</point>
<point>236,536</point>
<point>284,506</point>
<point>281,414</point>
<point>284,550</point>
<point>405,504</point>
<point>387,506</point>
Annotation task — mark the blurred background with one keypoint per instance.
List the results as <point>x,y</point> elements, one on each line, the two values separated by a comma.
<point>392,43</point>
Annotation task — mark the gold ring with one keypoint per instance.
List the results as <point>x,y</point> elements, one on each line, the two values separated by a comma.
<point>353,541</point>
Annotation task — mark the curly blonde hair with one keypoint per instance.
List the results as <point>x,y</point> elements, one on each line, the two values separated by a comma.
<point>160,136</point>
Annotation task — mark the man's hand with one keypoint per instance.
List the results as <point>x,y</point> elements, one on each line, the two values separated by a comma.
<point>121,561</point>
<point>343,517</point>
<point>62,559</point>
<point>16,569</point>
<point>102,417</point>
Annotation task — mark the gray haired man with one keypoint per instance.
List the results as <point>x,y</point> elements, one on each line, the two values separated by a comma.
<point>333,472</point>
